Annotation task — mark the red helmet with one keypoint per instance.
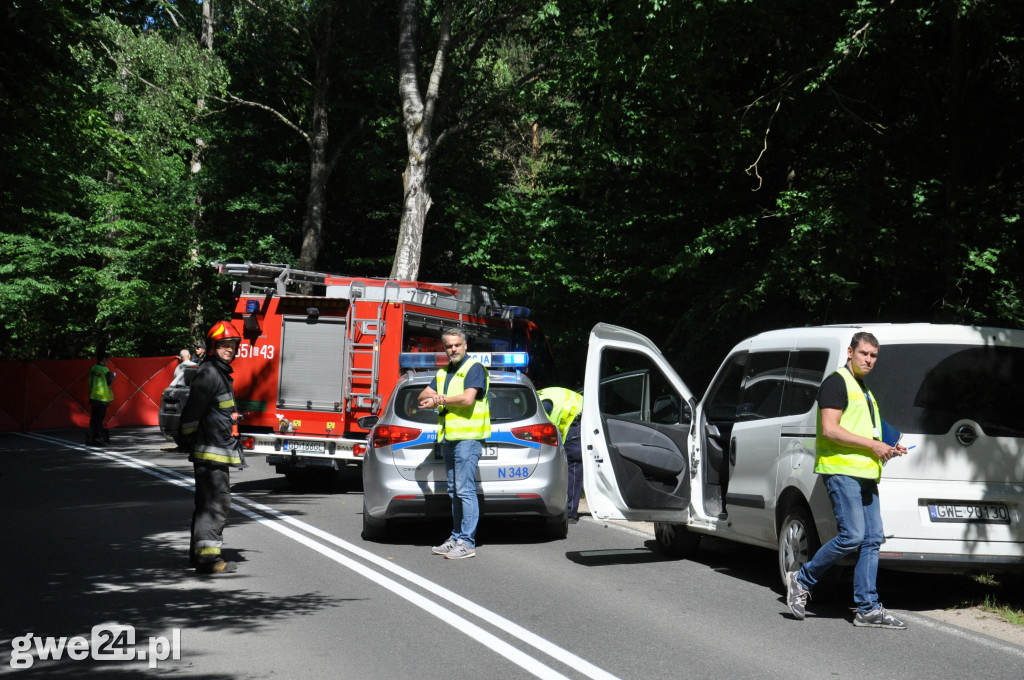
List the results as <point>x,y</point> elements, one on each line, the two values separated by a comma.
<point>222,330</point>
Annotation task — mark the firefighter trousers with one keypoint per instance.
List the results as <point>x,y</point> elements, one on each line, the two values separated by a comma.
<point>213,502</point>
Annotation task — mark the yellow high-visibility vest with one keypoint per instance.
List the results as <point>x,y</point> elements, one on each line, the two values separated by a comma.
<point>463,422</point>
<point>833,458</point>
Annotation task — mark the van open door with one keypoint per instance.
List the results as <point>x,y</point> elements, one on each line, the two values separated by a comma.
<point>636,430</point>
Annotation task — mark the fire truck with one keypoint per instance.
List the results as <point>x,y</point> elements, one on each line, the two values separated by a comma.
<point>321,351</point>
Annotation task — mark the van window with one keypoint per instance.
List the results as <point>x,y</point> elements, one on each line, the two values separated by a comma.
<point>763,385</point>
<point>806,372</point>
<point>723,400</point>
<point>633,387</point>
<point>927,388</point>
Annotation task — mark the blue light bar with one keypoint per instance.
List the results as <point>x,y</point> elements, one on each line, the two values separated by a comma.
<point>426,360</point>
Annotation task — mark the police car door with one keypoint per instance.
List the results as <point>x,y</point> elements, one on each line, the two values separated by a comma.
<point>635,429</point>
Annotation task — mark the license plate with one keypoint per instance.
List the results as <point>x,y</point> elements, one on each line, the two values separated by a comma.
<point>984,513</point>
<point>488,453</point>
<point>304,447</point>
<point>516,472</point>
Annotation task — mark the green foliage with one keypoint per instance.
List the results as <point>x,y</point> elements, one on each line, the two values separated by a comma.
<point>698,171</point>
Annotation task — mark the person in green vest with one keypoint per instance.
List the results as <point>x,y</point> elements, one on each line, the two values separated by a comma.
<point>459,393</point>
<point>849,456</point>
<point>564,408</point>
<point>100,395</point>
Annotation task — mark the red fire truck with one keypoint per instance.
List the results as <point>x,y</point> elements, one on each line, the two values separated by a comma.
<point>321,351</point>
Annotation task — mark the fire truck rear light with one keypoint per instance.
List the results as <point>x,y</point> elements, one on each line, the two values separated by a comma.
<point>249,443</point>
<point>545,434</point>
<point>331,447</point>
<point>359,450</point>
<point>277,444</point>
<point>389,435</point>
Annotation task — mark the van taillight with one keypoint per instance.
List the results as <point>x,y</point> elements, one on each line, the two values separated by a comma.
<point>389,435</point>
<point>545,434</point>
<point>248,443</point>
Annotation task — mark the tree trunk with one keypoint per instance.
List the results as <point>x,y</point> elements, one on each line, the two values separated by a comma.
<point>319,168</point>
<point>418,119</point>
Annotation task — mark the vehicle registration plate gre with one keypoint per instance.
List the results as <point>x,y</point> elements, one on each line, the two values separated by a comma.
<point>985,513</point>
<point>304,447</point>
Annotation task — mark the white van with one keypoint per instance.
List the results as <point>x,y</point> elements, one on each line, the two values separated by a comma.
<point>739,464</point>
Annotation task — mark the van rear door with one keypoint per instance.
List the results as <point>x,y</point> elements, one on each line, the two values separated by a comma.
<point>636,430</point>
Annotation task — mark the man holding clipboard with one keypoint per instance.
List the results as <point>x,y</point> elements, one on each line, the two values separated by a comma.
<point>850,453</point>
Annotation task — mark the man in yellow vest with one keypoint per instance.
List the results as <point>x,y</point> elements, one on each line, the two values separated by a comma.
<point>459,393</point>
<point>564,408</point>
<point>849,455</point>
<point>100,396</point>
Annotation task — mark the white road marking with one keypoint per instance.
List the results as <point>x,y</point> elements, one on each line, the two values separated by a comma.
<point>275,520</point>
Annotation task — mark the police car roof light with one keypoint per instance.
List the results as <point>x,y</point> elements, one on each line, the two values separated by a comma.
<point>429,360</point>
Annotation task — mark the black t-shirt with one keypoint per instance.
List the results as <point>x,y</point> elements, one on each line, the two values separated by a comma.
<point>832,393</point>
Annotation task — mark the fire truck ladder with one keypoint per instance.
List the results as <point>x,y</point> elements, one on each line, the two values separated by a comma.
<point>362,378</point>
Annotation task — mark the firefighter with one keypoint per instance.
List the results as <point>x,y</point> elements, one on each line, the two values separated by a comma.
<point>564,408</point>
<point>209,425</point>
<point>100,396</point>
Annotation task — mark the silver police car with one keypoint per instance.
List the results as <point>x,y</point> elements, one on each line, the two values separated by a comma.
<point>522,471</point>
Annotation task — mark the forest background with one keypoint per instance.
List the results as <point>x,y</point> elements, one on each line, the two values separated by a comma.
<point>698,171</point>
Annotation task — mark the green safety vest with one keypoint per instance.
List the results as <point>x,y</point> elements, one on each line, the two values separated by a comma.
<point>99,388</point>
<point>833,458</point>
<point>463,422</point>
<point>565,406</point>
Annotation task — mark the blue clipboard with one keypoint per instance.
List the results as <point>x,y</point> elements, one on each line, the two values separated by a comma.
<point>890,435</point>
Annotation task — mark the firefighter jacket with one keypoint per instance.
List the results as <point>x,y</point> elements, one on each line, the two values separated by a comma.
<point>208,418</point>
<point>566,406</point>
<point>99,383</point>
<point>463,422</point>
<point>834,458</point>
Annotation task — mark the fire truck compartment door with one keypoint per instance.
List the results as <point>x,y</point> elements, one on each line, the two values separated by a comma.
<point>312,363</point>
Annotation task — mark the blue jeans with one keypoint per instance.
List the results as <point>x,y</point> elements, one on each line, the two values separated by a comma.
<point>574,460</point>
<point>461,458</point>
<point>859,519</point>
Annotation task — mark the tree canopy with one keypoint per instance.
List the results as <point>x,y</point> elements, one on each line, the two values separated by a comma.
<point>698,171</point>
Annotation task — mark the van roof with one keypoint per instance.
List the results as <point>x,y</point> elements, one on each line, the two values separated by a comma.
<point>898,333</point>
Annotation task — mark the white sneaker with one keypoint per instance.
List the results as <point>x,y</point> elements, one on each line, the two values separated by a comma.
<point>444,548</point>
<point>460,552</point>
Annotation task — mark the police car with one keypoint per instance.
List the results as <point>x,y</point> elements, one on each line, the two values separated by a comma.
<point>522,471</point>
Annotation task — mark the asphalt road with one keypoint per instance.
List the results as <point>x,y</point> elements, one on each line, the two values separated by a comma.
<point>96,542</point>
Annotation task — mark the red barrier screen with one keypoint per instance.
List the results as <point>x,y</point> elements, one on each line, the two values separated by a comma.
<point>42,395</point>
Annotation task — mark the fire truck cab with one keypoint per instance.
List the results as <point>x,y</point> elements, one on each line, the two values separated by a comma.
<point>321,351</point>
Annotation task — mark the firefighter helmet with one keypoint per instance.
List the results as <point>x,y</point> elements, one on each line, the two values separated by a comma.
<point>223,330</point>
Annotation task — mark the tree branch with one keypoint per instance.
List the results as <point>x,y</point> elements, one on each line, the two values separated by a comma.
<point>274,112</point>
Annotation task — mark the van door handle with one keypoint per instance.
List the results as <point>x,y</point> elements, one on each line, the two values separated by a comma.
<point>732,452</point>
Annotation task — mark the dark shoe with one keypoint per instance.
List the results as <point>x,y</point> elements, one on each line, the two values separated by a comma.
<point>796,596</point>
<point>574,520</point>
<point>879,618</point>
<point>218,567</point>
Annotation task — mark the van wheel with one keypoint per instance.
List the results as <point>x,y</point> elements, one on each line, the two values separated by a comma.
<point>675,540</point>
<point>798,541</point>
<point>373,529</point>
